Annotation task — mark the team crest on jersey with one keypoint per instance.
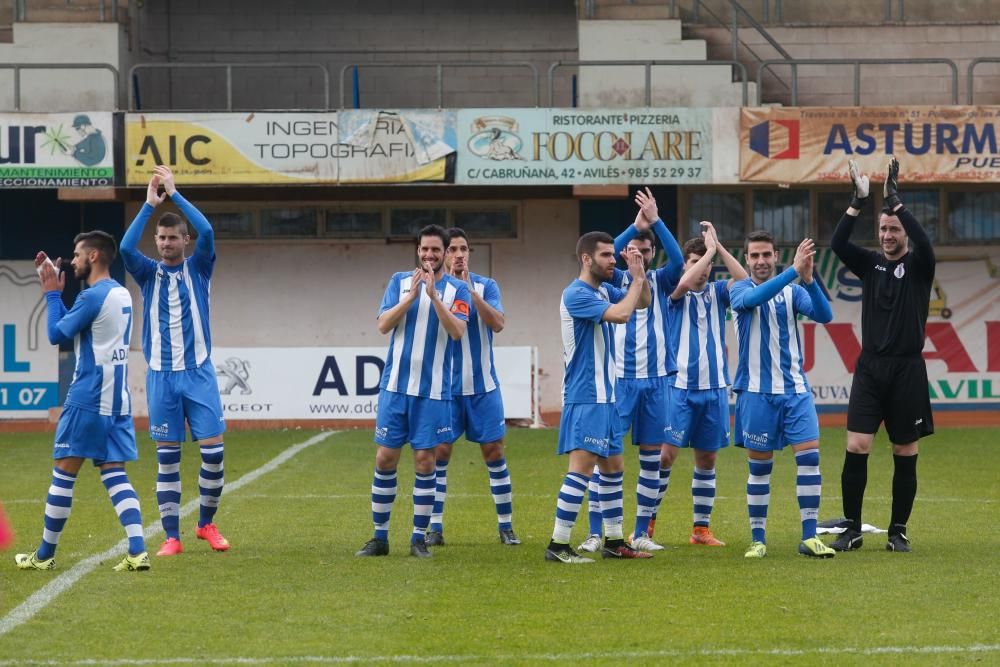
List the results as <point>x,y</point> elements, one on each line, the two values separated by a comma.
<point>780,298</point>
<point>900,271</point>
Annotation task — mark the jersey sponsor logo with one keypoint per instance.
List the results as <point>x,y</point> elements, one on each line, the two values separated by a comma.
<point>61,445</point>
<point>755,438</point>
<point>460,308</point>
<point>161,430</point>
<point>900,271</point>
<point>879,267</point>
<point>381,432</point>
<point>443,429</point>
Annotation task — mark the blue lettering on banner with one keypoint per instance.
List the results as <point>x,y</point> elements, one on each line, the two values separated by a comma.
<point>10,362</point>
<point>330,376</point>
<point>912,139</point>
<point>28,395</point>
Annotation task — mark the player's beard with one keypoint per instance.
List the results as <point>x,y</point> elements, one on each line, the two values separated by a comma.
<point>82,272</point>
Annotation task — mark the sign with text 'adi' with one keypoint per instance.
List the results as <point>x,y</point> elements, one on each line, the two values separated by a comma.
<point>584,146</point>
<point>56,150</point>
<point>336,383</point>
<point>934,144</point>
<point>355,146</point>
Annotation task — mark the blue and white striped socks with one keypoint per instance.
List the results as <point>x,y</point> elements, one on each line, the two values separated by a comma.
<point>168,489</point>
<point>611,504</point>
<point>808,489</point>
<point>594,504</point>
<point>758,497</point>
<point>500,489</point>
<point>126,504</point>
<point>423,505</point>
<point>703,495</point>
<point>383,496</point>
<point>57,508</point>
<point>647,489</point>
<point>571,493</point>
<point>440,494</point>
<point>210,482</point>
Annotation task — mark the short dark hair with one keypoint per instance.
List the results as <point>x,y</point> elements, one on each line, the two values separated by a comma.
<point>759,235</point>
<point>646,235</point>
<point>456,232</point>
<point>887,210</point>
<point>588,243</point>
<point>100,241</point>
<point>172,220</point>
<point>695,246</point>
<point>433,230</point>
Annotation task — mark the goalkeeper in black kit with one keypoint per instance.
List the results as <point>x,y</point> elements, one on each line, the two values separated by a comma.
<point>890,377</point>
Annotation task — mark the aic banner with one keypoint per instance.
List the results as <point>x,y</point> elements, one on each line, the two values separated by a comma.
<point>335,382</point>
<point>56,150</point>
<point>937,144</point>
<point>584,146</point>
<point>357,146</point>
<point>29,372</point>
<point>962,347</point>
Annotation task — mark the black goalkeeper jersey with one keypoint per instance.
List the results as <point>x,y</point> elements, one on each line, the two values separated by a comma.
<point>895,294</point>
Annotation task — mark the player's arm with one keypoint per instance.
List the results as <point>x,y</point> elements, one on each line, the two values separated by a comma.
<point>488,306</point>
<point>205,245</point>
<point>922,248</point>
<point>689,278</point>
<point>637,296</point>
<point>735,268</point>
<point>393,310</point>
<point>454,319</point>
<point>129,247</point>
<point>753,296</point>
<point>812,300</point>
<point>851,255</point>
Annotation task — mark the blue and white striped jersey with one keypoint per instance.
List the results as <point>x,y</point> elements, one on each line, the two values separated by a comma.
<point>175,299</point>
<point>770,351</point>
<point>419,361</point>
<point>587,343</point>
<point>641,346</point>
<point>100,324</point>
<point>698,336</point>
<point>474,372</point>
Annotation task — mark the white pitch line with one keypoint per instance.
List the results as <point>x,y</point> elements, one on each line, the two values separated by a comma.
<point>50,591</point>
<point>530,657</point>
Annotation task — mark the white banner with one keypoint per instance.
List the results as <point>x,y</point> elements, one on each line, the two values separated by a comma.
<point>29,372</point>
<point>335,382</point>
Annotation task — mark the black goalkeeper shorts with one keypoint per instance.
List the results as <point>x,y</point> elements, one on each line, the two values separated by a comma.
<point>891,390</point>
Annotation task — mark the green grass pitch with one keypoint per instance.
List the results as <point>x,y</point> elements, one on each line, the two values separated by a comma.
<point>290,591</point>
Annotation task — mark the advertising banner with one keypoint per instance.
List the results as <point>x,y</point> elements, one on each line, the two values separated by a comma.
<point>935,144</point>
<point>57,150</point>
<point>358,146</point>
<point>584,146</point>
<point>962,348</point>
<point>29,372</point>
<point>335,382</point>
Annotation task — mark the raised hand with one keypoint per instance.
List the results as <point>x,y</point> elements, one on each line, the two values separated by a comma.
<point>167,178</point>
<point>803,262</point>
<point>429,285</point>
<point>647,206</point>
<point>153,196</point>
<point>859,197</point>
<point>636,268</point>
<point>711,237</point>
<point>48,273</point>
<point>891,188</point>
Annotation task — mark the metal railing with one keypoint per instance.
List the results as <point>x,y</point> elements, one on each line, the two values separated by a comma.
<point>856,63</point>
<point>439,69</point>
<point>229,76</point>
<point>648,65</point>
<point>18,67</point>
<point>22,13</point>
<point>776,16</point>
<point>970,92</point>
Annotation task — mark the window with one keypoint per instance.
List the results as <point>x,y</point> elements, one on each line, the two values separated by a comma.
<point>354,224</point>
<point>725,210</point>
<point>974,216</point>
<point>409,221</point>
<point>830,207</point>
<point>925,206</point>
<point>488,224</point>
<point>784,213</point>
<point>288,222</point>
<point>232,224</point>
